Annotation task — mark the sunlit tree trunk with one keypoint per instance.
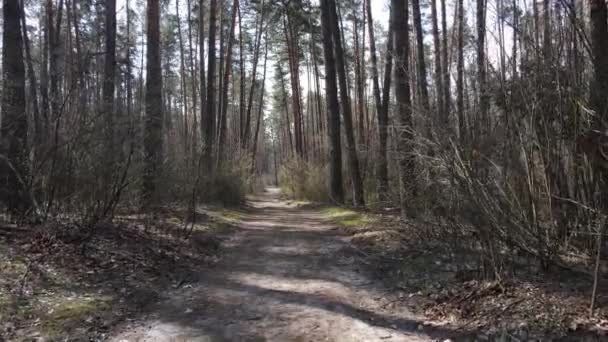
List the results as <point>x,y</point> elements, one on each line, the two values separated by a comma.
<point>351,147</point>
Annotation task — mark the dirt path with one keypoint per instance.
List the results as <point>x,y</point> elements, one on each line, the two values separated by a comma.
<point>285,276</point>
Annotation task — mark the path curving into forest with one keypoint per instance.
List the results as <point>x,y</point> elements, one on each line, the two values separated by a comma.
<point>285,275</point>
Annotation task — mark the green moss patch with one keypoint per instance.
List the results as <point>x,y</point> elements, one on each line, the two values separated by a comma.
<point>70,313</point>
<point>346,217</point>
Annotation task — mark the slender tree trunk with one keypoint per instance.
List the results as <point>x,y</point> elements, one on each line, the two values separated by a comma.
<point>241,81</point>
<point>400,17</point>
<point>153,133</point>
<point>285,96</point>
<point>203,87</point>
<point>183,86</point>
<point>382,165</point>
<point>55,70</point>
<point>32,80</point>
<point>129,64</point>
<point>438,63</point>
<point>44,70</point>
<point>108,90</point>
<point>353,161</point>
<point>317,86</point>
<point>209,119</point>
<point>220,74</point>
<point>14,164</point>
<point>336,191</point>
<point>422,81</point>
<point>294,72</point>
<point>227,71</point>
<point>481,65</point>
<point>446,66</point>
<point>360,102</point>
<point>460,74</point>
<point>599,42</point>
<point>254,150</point>
<point>256,53</point>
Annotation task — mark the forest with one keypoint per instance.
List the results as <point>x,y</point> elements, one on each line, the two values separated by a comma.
<point>158,156</point>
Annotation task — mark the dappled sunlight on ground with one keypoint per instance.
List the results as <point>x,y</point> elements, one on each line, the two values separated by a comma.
<point>287,275</point>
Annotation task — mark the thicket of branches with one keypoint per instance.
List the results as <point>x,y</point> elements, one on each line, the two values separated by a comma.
<point>488,117</point>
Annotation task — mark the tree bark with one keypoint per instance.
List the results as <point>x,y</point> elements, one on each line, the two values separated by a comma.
<point>256,53</point>
<point>446,66</point>
<point>14,164</point>
<point>481,65</point>
<point>32,80</point>
<point>438,63</point>
<point>336,191</point>
<point>460,75</point>
<point>108,90</point>
<point>209,118</point>
<point>294,72</point>
<point>400,17</point>
<point>225,83</point>
<point>183,90</point>
<point>254,149</point>
<point>153,138</point>
<point>382,165</point>
<point>351,150</point>
<point>203,83</point>
<point>422,81</point>
<point>599,42</point>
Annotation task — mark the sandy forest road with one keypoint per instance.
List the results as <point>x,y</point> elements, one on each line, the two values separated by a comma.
<point>285,275</point>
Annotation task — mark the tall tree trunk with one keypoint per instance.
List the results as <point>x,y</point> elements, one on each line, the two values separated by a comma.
<point>294,72</point>
<point>183,90</point>
<point>285,96</point>
<point>360,101</point>
<point>256,54</point>
<point>220,64</point>
<point>382,165</point>
<point>55,51</point>
<point>460,74</point>
<point>32,80</point>
<point>386,87</point>
<point>599,43</point>
<point>422,81</point>
<point>129,64</point>
<point>227,71</point>
<point>153,134</point>
<point>14,164</point>
<point>353,161</point>
<point>193,84</point>
<point>336,191</point>
<point>108,90</point>
<point>254,149</point>
<point>44,70</point>
<point>481,66</point>
<point>438,63</point>
<point>446,66</point>
<point>241,82</point>
<point>400,17</point>
<point>203,83</point>
<point>209,119</point>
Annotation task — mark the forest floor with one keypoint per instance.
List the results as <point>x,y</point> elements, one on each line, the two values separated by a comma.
<point>274,270</point>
